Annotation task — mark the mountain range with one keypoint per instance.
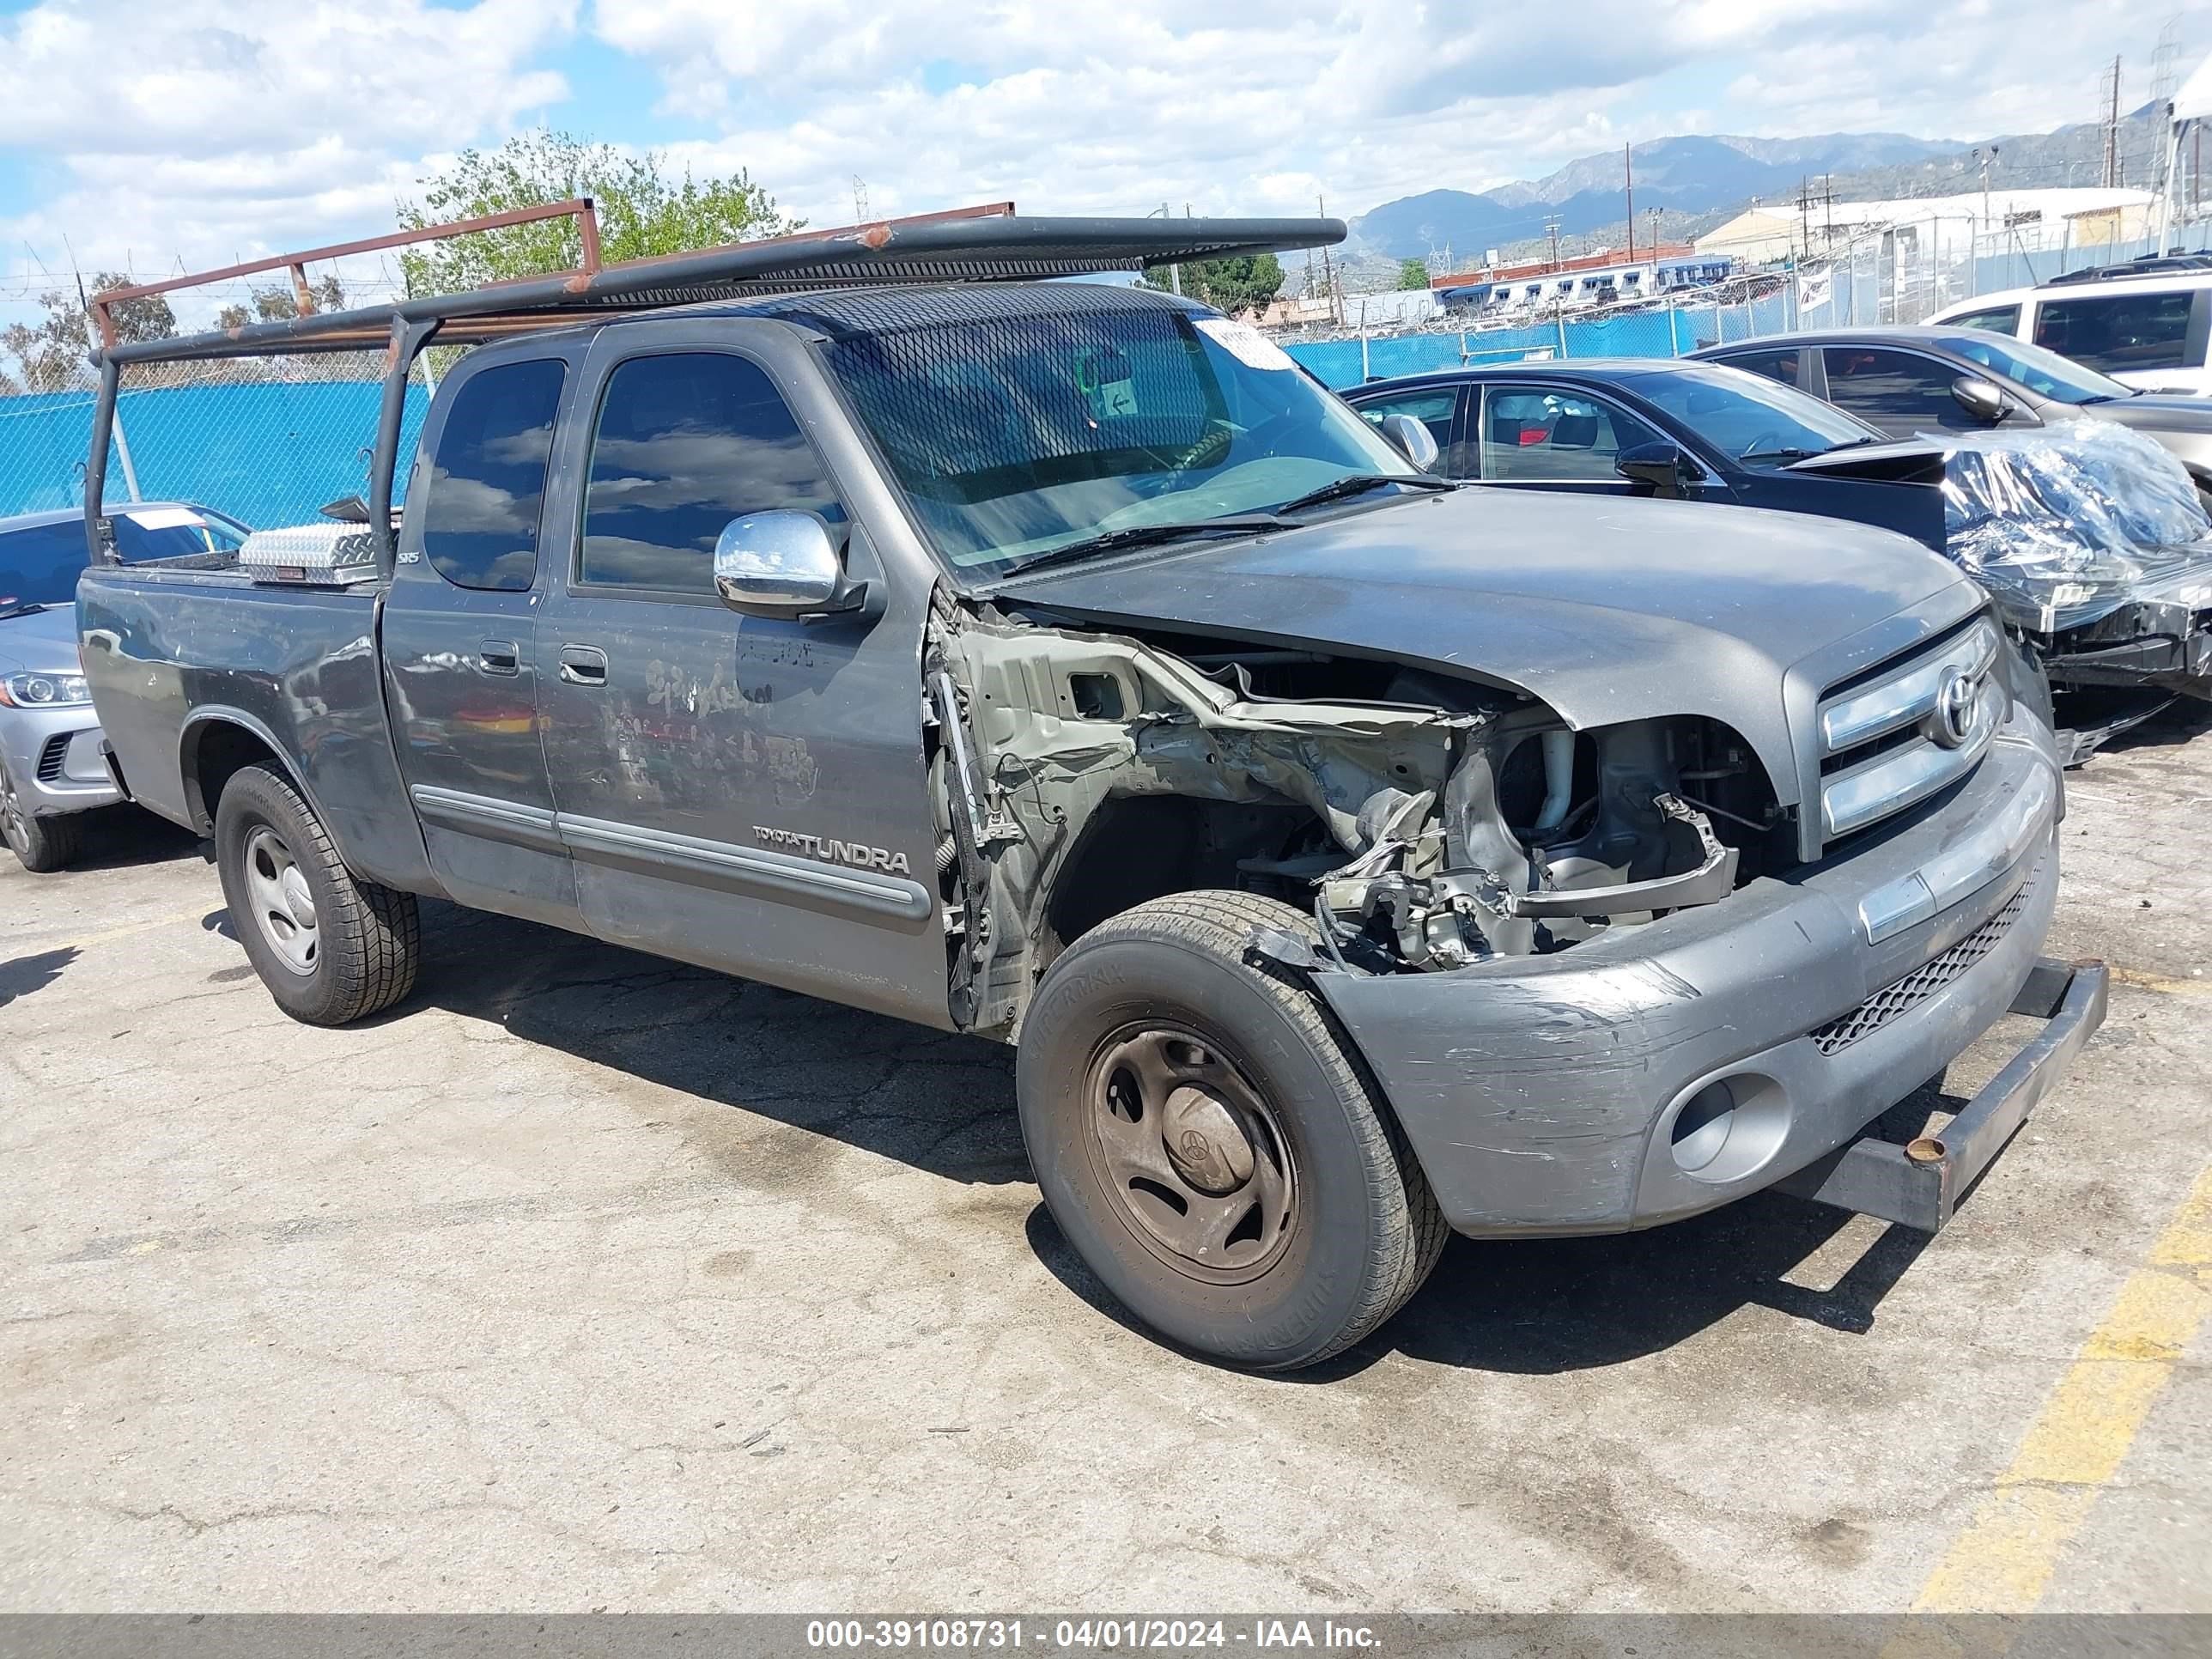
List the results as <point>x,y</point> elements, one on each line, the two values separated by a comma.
<point>1701,175</point>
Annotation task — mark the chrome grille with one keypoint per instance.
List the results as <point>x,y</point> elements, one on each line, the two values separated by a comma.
<point>1893,1001</point>
<point>1912,727</point>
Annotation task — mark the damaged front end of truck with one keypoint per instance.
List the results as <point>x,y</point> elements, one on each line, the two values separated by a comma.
<point>1427,823</point>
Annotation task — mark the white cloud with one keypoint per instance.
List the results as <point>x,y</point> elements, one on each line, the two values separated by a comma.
<point>1257,104</point>
<point>208,131</point>
<point>235,127</point>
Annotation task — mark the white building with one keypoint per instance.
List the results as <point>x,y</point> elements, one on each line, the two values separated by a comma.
<point>1943,227</point>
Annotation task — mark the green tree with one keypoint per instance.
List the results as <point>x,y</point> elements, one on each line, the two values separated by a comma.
<point>643,209</point>
<point>1412,274</point>
<point>277,303</point>
<point>1225,284</point>
<point>52,355</point>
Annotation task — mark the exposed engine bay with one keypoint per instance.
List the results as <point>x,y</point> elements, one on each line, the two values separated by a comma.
<point>1428,823</point>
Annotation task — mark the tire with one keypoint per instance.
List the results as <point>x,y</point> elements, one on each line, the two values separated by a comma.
<point>41,845</point>
<point>353,951</point>
<point>1154,1027</point>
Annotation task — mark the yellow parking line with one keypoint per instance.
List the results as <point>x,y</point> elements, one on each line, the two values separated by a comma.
<point>2003,1562</point>
<point>133,929</point>
<point>2164,982</point>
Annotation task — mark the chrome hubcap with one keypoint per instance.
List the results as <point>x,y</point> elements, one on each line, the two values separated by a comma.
<point>1192,1153</point>
<point>282,905</point>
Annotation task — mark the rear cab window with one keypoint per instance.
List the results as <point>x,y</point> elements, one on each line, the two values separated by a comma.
<point>487,492</point>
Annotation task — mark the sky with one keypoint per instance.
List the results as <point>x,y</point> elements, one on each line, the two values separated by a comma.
<point>161,135</point>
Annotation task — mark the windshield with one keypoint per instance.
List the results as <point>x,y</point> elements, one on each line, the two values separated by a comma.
<point>40,563</point>
<point>2042,370</point>
<point>1749,416</point>
<point>1082,411</point>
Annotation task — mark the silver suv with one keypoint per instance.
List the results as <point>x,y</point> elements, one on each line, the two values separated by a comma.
<point>52,769</point>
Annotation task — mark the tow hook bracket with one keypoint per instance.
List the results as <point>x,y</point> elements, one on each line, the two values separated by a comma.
<point>1919,1184</point>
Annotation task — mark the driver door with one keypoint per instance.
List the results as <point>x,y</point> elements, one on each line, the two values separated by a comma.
<point>1532,435</point>
<point>742,793</point>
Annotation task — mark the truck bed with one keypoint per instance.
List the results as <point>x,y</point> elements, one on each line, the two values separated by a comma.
<point>193,665</point>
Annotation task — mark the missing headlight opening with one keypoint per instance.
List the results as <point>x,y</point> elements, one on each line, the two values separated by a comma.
<point>1428,823</point>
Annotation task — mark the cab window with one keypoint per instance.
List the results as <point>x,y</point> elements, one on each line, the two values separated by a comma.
<point>1900,392</point>
<point>1434,409</point>
<point>1997,320</point>
<point>685,443</point>
<point>488,478</point>
<point>1780,365</point>
<point>2118,332</point>
<point>1547,436</point>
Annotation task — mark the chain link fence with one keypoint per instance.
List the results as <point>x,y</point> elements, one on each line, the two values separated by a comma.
<point>269,440</point>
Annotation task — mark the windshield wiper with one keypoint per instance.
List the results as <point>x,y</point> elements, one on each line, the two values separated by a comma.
<point>1797,454</point>
<point>1152,535</point>
<point>10,608</point>
<point>1357,484</point>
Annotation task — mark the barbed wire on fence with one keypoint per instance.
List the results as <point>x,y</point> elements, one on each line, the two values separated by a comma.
<point>270,440</point>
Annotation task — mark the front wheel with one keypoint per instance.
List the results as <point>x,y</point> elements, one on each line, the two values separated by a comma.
<point>330,947</point>
<point>1206,1145</point>
<point>40,844</point>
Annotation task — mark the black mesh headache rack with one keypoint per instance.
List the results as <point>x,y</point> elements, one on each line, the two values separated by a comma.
<point>983,244</point>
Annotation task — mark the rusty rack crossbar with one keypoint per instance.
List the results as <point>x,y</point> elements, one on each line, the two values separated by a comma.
<point>985,243</point>
<point>581,210</point>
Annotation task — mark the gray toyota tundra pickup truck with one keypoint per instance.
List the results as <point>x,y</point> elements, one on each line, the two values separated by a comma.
<point>1349,857</point>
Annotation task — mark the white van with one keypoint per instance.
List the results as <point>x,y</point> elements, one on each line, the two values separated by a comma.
<point>2150,331</point>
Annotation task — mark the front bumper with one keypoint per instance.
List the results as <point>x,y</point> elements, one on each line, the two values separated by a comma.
<point>1562,1094</point>
<point>2164,644</point>
<point>55,758</point>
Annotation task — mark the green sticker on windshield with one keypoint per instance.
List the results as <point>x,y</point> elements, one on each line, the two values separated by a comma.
<point>1105,378</point>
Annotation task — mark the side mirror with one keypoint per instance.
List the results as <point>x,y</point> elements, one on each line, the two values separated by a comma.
<point>782,565</point>
<point>1665,467</point>
<point>1413,439</point>
<point>1978,398</point>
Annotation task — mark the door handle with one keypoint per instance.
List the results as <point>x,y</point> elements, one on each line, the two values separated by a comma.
<point>499,657</point>
<point>583,665</point>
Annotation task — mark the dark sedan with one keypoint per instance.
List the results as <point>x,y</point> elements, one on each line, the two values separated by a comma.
<point>1950,380</point>
<point>1659,426</point>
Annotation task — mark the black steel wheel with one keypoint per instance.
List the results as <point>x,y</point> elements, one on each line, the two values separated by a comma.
<point>1207,1143</point>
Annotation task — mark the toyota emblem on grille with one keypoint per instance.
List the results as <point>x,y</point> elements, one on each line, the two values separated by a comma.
<point>1952,720</point>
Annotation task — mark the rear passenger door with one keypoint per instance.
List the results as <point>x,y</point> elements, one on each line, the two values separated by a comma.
<point>459,628</point>
<point>2131,334</point>
<point>742,793</point>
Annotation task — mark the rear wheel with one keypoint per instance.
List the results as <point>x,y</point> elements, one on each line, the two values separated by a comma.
<point>330,947</point>
<point>1204,1140</point>
<point>40,844</point>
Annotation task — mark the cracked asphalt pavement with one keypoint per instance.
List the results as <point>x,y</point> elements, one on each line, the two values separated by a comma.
<point>584,1281</point>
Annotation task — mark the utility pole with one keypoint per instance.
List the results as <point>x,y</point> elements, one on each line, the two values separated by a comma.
<point>1328,269</point>
<point>1551,230</point>
<point>1628,173</point>
<point>859,200</point>
<point>2111,102</point>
